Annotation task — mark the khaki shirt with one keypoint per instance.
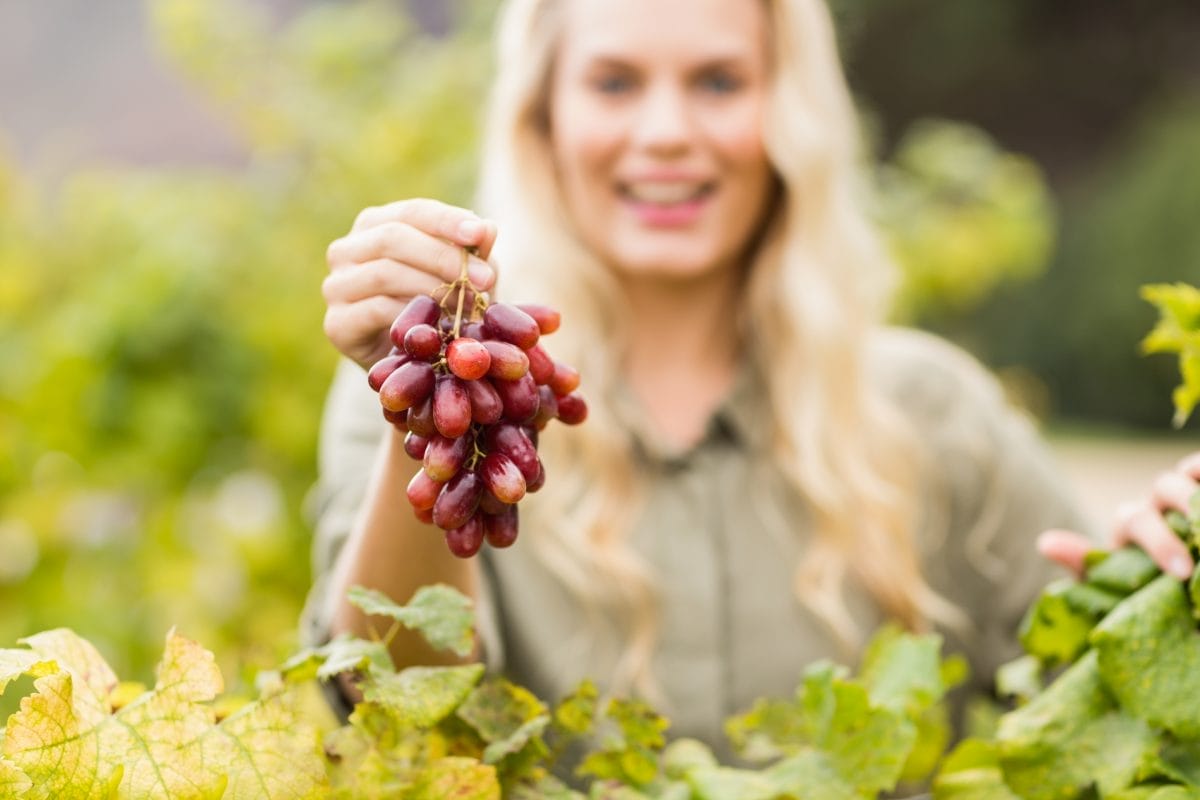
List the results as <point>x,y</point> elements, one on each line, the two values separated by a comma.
<point>724,534</point>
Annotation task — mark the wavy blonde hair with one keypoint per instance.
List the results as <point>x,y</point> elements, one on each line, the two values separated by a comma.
<point>817,287</point>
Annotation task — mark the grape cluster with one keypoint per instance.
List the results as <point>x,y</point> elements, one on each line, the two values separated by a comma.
<point>472,392</point>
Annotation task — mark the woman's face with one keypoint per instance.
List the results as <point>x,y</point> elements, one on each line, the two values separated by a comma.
<point>656,113</point>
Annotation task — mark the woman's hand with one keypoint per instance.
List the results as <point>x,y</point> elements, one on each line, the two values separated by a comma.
<point>1141,523</point>
<point>392,253</point>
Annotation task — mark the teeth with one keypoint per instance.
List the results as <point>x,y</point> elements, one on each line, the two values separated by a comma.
<point>664,193</point>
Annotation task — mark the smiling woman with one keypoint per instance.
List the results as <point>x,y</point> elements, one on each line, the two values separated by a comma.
<point>767,472</point>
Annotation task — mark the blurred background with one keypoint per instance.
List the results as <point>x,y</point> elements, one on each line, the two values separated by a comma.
<point>171,172</point>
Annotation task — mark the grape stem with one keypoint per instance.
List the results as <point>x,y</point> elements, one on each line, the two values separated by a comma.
<point>463,282</point>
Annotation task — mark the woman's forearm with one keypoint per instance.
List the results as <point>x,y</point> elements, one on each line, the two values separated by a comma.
<point>391,551</point>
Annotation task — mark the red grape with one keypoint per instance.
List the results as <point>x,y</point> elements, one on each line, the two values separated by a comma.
<point>541,366</point>
<point>423,491</point>
<point>502,478</point>
<point>415,445</point>
<point>465,540</point>
<point>509,362</point>
<point>444,457</point>
<point>572,409</point>
<point>420,418</point>
<point>458,500</point>
<point>546,317</point>
<point>384,367</point>
<point>564,380</point>
<point>408,385</point>
<point>486,405</point>
<point>501,529</point>
<point>423,342</point>
<point>510,324</point>
<point>451,407</point>
<point>421,309</point>
<point>468,359</point>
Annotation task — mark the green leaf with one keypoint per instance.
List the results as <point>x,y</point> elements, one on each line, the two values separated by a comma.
<point>1178,331</point>
<point>457,778</point>
<point>575,715</point>
<point>683,755</point>
<point>15,663</point>
<point>1149,657</point>
<point>902,671</point>
<point>1020,678</point>
<point>419,697</point>
<point>727,783</point>
<point>631,738</point>
<point>13,782</point>
<point>269,751</point>
<point>505,715</point>
<point>1054,629</point>
<point>1122,571</point>
<point>342,654</point>
<point>442,615</point>
<point>1071,736</point>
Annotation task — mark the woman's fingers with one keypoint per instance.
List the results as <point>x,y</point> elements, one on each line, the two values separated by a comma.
<point>1066,548</point>
<point>1143,524</point>
<point>360,330</point>
<point>407,245</point>
<point>381,276</point>
<point>451,223</point>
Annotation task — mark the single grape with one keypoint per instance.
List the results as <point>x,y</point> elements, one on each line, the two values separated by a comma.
<point>423,491</point>
<point>444,457</point>
<point>451,407</point>
<point>490,504</point>
<point>423,342</point>
<point>546,317</point>
<point>502,478</point>
<point>564,380</point>
<point>472,330</point>
<point>465,540</point>
<point>420,418</point>
<point>514,443</point>
<point>424,514</point>
<point>397,418</point>
<point>538,481</point>
<point>486,405</point>
<point>509,362</point>
<point>520,398</point>
<point>510,324</point>
<point>541,366</point>
<point>458,500</point>
<point>384,367</point>
<point>501,529</point>
<point>421,309</point>
<point>468,358</point>
<point>572,409</point>
<point>408,385</point>
<point>547,407</point>
<point>415,445</point>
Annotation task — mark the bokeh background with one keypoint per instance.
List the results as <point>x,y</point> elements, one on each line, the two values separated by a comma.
<point>171,172</point>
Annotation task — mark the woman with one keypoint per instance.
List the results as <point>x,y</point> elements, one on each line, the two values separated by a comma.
<point>767,473</point>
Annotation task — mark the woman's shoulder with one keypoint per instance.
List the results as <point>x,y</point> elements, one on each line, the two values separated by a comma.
<point>929,377</point>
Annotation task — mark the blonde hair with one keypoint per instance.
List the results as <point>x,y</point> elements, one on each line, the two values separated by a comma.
<point>818,286</point>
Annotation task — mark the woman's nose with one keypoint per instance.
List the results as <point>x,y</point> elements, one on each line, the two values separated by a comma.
<point>664,121</point>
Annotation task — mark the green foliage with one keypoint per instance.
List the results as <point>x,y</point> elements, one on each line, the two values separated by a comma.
<point>1120,720</point>
<point>1178,331</point>
<point>437,732</point>
<point>162,365</point>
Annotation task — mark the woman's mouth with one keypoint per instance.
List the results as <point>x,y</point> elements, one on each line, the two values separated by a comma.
<point>660,203</point>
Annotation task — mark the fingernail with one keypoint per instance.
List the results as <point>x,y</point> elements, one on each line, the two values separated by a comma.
<point>1180,567</point>
<point>471,231</point>
<point>481,273</point>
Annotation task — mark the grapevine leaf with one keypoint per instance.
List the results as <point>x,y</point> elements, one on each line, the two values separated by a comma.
<point>686,755</point>
<point>903,672</point>
<point>457,778</point>
<point>727,783</point>
<point>1149,656</point>
<point>1054,629</point>
<point>576,713</point>
<point>441,614</point>
<point>13,782</point>
<point>815,776</point>
<point>345,653</point>
<point>1178,331</point>
<point>15,663</point>
<point>548,788</point>
<point>865,745</point>
<point>1122,571</point>
<point>505,715</point>
<point>94,678</point>
<point>1020,678</point>
<point>632,739</point>
<point>422,696</point>
<point>52,739</point>
<point>268,751</point>
<point>972,772</point>
<point>1071,736</point>
<point>156,736</point>
<point>1164,792</point>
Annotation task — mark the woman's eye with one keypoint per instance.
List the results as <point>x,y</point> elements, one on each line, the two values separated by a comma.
<point>613,84</point>
<point>720,83</point>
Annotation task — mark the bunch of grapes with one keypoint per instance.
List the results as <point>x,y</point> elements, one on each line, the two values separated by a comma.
<point>472,391</point>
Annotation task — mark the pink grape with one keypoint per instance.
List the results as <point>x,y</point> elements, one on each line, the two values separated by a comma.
<point>564,380</point>
<point>468,358</point>
<point>486,405</point>
<point>541,366</point>
<point>458,500</point>
<point>520,398</point>
<point>509,362</point>
<point>423,491</point>
<point>423,342</point>
<point>502,478</point>
<point>546,317</point>
<point>510,324</point>
<point>444,457</point>
<point>415,445</point>
<point>465,540</point>
<point>384,367</point>
<point>572,409</point>
<point>501,529</point>
<point>451,407</point>
<point>421,309</point>
<point>420,418</point>
<point>408,385</point>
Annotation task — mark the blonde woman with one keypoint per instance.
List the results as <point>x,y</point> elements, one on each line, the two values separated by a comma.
<point>767,473</point>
